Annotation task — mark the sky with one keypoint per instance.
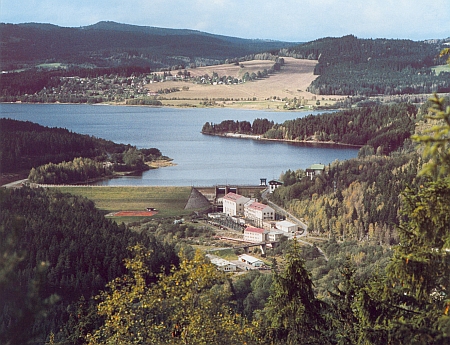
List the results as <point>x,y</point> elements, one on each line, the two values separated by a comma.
<point>284,20</point>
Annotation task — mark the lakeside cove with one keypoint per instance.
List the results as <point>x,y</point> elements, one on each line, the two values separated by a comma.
<point>198,160</point>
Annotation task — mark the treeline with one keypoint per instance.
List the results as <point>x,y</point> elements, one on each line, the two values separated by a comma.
<point>86,169</point>
<point>58,248</point>
<point>60,156</point>
<point>259,126</point>
<point>78,170</point>
<point>352,66</point>
<point>144,101</point>
<point>382,127</point>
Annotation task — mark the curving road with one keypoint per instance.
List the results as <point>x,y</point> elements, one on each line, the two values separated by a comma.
<point>294,219</point>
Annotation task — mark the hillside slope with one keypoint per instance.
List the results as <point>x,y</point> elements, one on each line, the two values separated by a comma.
<point>107,44</point>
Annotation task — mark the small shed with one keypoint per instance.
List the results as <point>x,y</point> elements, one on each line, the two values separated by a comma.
<point>315,169</point>
<point>274,184</point>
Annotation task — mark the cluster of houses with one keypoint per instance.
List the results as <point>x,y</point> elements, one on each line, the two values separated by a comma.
<point>262,217</point>
<point>258,220</point>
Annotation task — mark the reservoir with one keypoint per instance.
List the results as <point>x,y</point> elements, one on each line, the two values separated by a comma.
<point>201,160</point>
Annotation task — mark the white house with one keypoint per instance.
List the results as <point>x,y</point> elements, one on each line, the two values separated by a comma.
<point>286,226</point>
<point>250,260</point>
<point>315,169</point>
<point>255,235</point>
<point>258,212</point>
<point>223,265</point>
<point>274,184</point>
<point>233,204</point>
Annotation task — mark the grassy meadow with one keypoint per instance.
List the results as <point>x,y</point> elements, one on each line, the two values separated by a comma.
<point>169,201</point>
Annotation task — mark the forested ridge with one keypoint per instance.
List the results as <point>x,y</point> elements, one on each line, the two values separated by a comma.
<point>357,199</point>
<point>383,127</point>
<point>352,66</point>
<point>110,44</point>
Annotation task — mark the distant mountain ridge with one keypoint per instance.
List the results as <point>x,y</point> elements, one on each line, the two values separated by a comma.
<point>107,44</point>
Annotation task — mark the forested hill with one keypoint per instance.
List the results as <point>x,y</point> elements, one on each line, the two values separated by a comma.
<point>24,145</point>
<point>352,66</point>
<point>109,44</point>
<point>55,249</point>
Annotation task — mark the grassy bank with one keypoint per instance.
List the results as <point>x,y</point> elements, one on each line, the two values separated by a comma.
<point>169,201</point>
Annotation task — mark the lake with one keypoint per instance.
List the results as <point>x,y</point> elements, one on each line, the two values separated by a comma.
<point>201,160</point>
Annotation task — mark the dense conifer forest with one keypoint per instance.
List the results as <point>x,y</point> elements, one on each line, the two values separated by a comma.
<point>60,249</point>
<point>352,66</point>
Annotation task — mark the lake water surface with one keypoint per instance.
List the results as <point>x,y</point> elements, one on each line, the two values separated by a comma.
<point>201,160</point>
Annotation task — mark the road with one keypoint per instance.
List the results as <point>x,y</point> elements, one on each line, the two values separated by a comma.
<point>294,219</point>
<point>15,184</point>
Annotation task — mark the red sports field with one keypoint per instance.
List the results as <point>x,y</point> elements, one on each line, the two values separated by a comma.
<point>135,213</point>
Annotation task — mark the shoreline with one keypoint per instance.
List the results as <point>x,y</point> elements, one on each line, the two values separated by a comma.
<point>9,180</point>
<point>256,106</point>
<point>259,137</point>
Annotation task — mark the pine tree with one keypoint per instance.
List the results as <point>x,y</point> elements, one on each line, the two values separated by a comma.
<point>292,314</point>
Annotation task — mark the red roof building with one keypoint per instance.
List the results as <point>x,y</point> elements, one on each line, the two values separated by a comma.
<point>255,235</point>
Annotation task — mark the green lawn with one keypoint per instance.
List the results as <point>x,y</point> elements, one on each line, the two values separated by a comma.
<point>169,201</point>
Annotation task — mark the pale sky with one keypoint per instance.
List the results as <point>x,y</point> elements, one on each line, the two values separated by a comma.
<point>286,20</point>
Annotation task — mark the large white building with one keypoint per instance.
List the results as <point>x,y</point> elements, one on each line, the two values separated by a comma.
<point>233,204</point>
<point>250,260</point>
<point>258,212</point>
<point>286,226</point>
<point>222,264</point>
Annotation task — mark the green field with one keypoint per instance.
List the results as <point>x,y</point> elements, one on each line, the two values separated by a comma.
<point>169,201</point>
